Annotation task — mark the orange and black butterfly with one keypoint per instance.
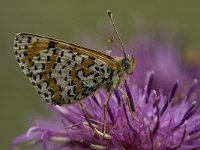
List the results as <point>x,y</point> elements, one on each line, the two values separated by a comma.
<point>64,73</point>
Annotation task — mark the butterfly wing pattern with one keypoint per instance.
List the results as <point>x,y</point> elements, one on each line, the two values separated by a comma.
<point>64,73</point>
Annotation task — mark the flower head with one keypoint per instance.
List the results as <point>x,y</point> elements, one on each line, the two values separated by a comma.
<point>158,123</point>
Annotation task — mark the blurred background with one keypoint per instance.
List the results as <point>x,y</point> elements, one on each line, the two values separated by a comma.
<point>65,19</point>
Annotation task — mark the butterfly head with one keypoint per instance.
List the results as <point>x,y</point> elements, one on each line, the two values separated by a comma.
<point>128,64</point>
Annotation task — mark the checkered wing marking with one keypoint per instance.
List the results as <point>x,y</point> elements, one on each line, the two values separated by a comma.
<point>62,73</point>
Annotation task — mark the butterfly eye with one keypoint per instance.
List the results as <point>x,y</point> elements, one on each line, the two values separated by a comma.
<point>126,64</point>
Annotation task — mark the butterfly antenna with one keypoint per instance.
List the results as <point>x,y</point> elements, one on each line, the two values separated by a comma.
<point>112,21</point>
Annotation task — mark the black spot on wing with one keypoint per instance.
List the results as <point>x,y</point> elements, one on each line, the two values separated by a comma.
<point>69,62</point>
<point>59,59</point>
<point>48,58</point>
<point>69,93</point>
<point>73,57</point>
<point>92,58</point>
<point>52,44</point>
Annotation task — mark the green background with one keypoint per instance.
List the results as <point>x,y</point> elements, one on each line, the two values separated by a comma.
<point>64,19</point>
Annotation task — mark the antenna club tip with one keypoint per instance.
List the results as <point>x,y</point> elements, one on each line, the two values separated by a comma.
<point>109,40</point>
<point>109,12</point>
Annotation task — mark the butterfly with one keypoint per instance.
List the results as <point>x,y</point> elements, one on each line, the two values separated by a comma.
<point>65,73</point>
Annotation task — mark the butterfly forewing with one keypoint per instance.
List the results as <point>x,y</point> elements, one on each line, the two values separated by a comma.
<point>62,73</point>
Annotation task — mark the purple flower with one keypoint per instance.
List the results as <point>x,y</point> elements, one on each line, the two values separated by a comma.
<point>158,123</point>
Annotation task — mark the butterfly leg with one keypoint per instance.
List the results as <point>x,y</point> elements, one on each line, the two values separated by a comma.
<point>105,110</point>
<point>129,103</point>
<point>96,131</point>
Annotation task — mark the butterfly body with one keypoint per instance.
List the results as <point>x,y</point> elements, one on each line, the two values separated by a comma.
<point>65,73</point>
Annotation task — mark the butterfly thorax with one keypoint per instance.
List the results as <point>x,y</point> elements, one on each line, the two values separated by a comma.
<point>117,77</point>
